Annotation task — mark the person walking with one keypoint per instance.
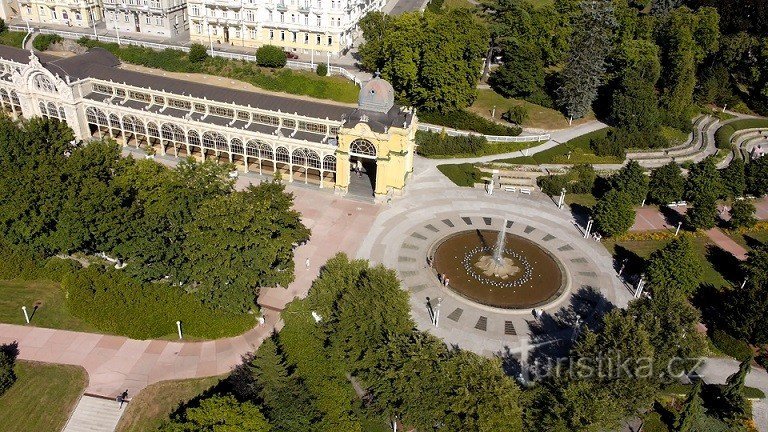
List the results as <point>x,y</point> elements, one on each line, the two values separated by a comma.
<point>306,263</point>
<point>123,396</point>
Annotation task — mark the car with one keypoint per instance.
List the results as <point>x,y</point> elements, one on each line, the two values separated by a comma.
<point>290,55</point>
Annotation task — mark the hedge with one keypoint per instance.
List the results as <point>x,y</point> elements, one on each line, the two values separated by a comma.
<point>43,42</point>
<point>725,133</point>
<point>731,346</point>
<point>114,303</point>
<point>432,144</point>
<point>283,80</point>
<point>464,174</point>
<point>465,120</point>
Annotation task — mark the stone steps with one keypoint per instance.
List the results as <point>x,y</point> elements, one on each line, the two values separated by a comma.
<point>95,414</point>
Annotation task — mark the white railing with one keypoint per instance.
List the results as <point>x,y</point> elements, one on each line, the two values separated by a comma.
<point>291,64</point>
<point>492,138</point>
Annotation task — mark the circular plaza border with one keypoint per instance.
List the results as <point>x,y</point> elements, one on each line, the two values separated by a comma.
<point>403,235</point>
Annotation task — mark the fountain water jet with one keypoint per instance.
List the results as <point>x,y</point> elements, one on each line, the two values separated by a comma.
<point>498,265</point>
<point>499,249</point>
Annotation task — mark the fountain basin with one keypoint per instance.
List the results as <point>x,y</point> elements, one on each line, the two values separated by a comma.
<point>527,275</point>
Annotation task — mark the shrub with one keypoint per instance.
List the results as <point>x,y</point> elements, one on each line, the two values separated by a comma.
<point>462,174</point>
<point>465,120</point>
<point>8,355</point>
<point>435,5</point>
<point>731,346</point>
<point>43,42</point>
<point>431,144</point>
<point>322,69</point>
<point>271,56</point>
<point>3,25</point>
<point>607,146</point>
<point>114,303</point>
<point>743,214</point>
<point>517,114</point>
<point>579,179</point>
<point>197,53</point>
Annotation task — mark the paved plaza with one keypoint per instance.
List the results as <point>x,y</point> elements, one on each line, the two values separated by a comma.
<point>402,235</point>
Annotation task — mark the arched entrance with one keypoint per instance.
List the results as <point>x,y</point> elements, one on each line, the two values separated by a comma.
<point>362,163</point>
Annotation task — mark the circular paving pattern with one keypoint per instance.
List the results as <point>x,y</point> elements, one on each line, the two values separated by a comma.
<point>404,234</point>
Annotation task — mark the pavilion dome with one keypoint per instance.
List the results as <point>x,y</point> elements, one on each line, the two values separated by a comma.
<point>377,95</point>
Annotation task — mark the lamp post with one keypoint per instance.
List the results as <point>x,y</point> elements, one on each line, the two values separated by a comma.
<point>640,286</point>
<point>679,224</point>
<point>26,315</point>
<point>437,312</point>
<point>117,24</point>
<point>561,201</point>
<point>588,229</point>
<point>178,328</point>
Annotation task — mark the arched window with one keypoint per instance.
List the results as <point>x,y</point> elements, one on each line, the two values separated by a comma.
<point>214,140</point>
<point>361,147</point>
<point>178,134</point>
<point>282,155</point>
<point>194,138</point>
<point>139,127</point>
<point>299,158</point>
<point>62,114</point>
<point>90,114</point>
<point>313,159</point>
<point>15,98</point>
<point>53,112</point>
<point>43,110</point>
<point>152,129</point>
<point>102,118</point>
<point>114,121</point>
<point>167,132</point>
<point>237,146</point>
<point>128,123</point>
<point>252,148</point>
<point>42,83</point>
<point>265,151</point>
<point>329,163</point>
<point>4,95</point>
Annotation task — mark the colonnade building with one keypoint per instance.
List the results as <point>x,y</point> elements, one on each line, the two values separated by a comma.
<point>366,149</point>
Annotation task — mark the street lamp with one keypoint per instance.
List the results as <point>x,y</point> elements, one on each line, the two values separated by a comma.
<point>437,312</point>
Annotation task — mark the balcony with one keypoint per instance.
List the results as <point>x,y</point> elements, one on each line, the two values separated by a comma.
<point>282,7</point>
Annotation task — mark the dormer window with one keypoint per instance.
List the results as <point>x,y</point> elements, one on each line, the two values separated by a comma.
<point>42,83</point>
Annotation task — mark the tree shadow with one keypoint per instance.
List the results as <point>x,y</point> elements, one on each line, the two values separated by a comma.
<point>601,187</point>
<point>671,217</point>
<point>632,262</point>
<point>580,213</point>
<point>725,263</point>
<point>709,300</point>
<point>752,242</point>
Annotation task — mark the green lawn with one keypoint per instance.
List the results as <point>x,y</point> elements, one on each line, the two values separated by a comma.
<point>42,398</point>
<point>462,174</point>
<point>584,200</point>
<point>540,3</point>
<point>455,4</point>
<point>674,136</point>
<point>538,116</point>
<point>749,239</point>
<point>579,150</point>
<point>12,38</point>
<point>153,405</point>
<point>52,311</point>
<point>490,148</point>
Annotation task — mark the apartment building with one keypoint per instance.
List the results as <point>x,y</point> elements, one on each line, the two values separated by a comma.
<point>73,13</point>
<point>8,9</point>
<point>306,26</point>
<point>153,17</point>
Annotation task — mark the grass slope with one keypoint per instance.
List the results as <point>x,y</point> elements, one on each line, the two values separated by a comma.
<point>579,150</point>
<point>538,116</point>
<point>52,313</point>
<point>42,398</point>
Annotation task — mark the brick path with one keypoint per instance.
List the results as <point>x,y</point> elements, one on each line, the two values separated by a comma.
<point>116,363</point>
<point>727,244</point>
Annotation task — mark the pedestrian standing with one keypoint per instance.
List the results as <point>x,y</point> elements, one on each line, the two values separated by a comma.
<point>306,263</point>
<point>123,397</point>
<point>446,281</point>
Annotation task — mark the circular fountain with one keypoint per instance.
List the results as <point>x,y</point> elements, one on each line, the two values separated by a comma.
<point>510,273</point>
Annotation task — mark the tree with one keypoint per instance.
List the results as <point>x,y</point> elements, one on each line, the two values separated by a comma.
<point>8,355</point>
<point>219,413</point>
<point>614,214</point>
<point>197,53</point>
<point>631,179</point>
<point>590,45</point>
<point>374,28</point>
<point>676,266</point>
<point>666,184</point>
<point>734,178</point>
<point>322,69</point>
<point>757,176</point>
<point>522,73</point>
<point>742,213</point>
<point>745,310</point>
<point>734,404</point>
<point>693,410</point>
<point>635,106</point>
<point>701,191</point>
<point>660,7</point>
<point>271,56</point>
<point>240,242</point>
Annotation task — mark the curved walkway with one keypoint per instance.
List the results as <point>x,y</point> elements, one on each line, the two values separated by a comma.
<point>116,363</point>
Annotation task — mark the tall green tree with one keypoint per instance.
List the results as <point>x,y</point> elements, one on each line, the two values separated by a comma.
<point>220,413</point>
<point>734,403</point>
<point>241,242</point>
<point>742,214</point>
<point>693,410</point>
<point>584,71</point>
<point>734,178</point>
<point>614,213</point>
<point>757,176</point>
<point>666,184</point>
<point>631,179</point>
<point>701,191</point>
<point>676,266</point>
<point>745,310</point>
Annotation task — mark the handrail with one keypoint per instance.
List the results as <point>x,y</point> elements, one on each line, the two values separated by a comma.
<point>492,138</point>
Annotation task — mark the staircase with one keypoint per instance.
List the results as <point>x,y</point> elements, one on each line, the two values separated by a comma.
<point>95,414</point>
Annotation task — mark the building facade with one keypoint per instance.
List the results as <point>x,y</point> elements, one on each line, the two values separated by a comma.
<point>154,17</point>
<point>73,13</point>
<point>369,148</point>
<point>305,26</point>
<point>8,9</point>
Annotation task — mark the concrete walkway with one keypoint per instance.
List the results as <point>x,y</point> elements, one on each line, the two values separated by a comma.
<point>95,414</point>
<point>717,370</point>
<point>727,244</point>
